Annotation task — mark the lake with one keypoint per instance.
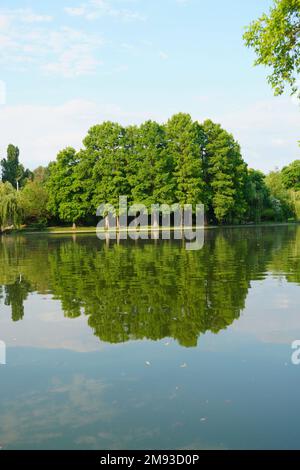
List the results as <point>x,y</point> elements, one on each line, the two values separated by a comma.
<point>145,345</point>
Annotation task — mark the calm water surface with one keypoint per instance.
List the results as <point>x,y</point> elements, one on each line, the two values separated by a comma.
<point>148,345</point>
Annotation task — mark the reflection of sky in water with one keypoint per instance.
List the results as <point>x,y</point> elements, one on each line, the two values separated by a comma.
<point>239,395</point>
<point>65,388</point>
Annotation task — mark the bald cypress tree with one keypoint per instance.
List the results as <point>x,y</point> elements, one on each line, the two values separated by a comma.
<point>151,166</point>
<point>226,174</point>
<point>107,145</point>
<point>185,146</point>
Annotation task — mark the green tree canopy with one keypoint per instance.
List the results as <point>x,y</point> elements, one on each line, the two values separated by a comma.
<point>226,174</point>
<point>34,200</point>
<point>150,166</point>
<point>257,194</point>
<point>291,176</point>
<point>10,207</point>
<point>280,196</point>
<point>185,145</point>
<point>64,187</point>
<point>275,39</point>
<point>40,174</point>
<point>106,147</point>
<point>13,171</point>
<point>181,161</point>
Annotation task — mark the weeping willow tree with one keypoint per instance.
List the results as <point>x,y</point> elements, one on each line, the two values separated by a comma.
<point>10,207</point>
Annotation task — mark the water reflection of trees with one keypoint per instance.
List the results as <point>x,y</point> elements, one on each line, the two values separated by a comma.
<point>146,289</point>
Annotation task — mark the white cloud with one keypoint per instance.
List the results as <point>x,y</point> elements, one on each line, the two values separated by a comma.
<point>76,11</point>
<point>41,131</point>
<point>95,9</point>
<point>274,296</point>
<point>163,55</point>
<point>72,63</point>
<point>268,132</point>
<point>4,21</point>
<point>22,15</point>
<point>74,52</point>
<point>28,16</point>
<point>278,142</point>
<point>65,51</point>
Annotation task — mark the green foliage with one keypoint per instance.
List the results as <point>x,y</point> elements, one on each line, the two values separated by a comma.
<point>10,206</point>
<point>181,162</point>
<point>185,146</point>
<point>275,39</point>
<point>106,147</point>
<point>132,291</point>
<point>40,174</point>
<point>225,174</point>
<point>64,188</point>
<point>284,187</point>
<point>280,197</point>
<point>15,295</point>
<point>12,171</point>
<point>291,176</point>
<point>258,195</point>
<point>34,200</point>
<point>150,165</point>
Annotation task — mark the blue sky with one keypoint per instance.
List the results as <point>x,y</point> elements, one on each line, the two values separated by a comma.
<point>70,64</point>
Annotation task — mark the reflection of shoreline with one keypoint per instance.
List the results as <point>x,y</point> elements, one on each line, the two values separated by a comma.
<point>93,230</point>
<point>144,291</point>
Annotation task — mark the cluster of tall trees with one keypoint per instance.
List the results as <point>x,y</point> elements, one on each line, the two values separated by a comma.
<point>181,161</point>
<point>23,193</point>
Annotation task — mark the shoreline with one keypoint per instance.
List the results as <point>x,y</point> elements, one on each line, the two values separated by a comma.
<point>91,230</point>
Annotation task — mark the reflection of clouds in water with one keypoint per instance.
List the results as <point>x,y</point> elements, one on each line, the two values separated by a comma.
<point>272,312</point>
<point>82,413</point>
<point>282,302</point>
<point>41,416</point>
<point>45,326</point>
<point>82,393</point>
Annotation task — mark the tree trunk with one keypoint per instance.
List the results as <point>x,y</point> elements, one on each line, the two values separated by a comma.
<point>155,220</point>
<point>181,219</point>
<point>74,226</point>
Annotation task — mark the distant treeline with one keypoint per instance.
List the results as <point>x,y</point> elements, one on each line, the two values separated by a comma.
<point>181,161</point>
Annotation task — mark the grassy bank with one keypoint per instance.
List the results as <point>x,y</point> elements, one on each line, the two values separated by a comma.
<point>82,230</point>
